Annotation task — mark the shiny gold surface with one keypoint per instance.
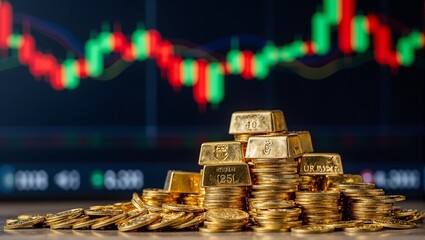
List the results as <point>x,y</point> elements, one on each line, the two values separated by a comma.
<point>305,139</point>
<point>257,122</point>
<point>274,146</point>
<point>226,175</point>
<point>321,164</point>
<point>182,182</point>
<point>216,153</point>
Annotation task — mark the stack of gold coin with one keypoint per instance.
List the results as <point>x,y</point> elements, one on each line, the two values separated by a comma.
<point>319,207</point>
<point>225,197</point>
<point>156,197</point>
<point>224,220</point>
<point>225,175</point>
<point>365,202</point>
<point>275,174</point>
<point>194,199</point>
<point>275,215</point>
<point>309,183</point>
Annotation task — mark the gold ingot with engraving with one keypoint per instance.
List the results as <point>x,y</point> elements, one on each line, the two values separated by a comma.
<point>305,139</point>
<point>226,175</point>
<point>274,146</point>
<point>257,122</point>
<point>217,153</point>
<point>321,164</point>
<point>182,182</point>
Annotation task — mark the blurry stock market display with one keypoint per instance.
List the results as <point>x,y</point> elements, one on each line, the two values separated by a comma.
<point>168,94</point>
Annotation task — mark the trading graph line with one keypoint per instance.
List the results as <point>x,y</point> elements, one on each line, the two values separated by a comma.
<point>356,33</point>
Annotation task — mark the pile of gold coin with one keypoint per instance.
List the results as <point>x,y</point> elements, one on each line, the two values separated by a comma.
<point>365,202</point>
<point>319,207</point>
<point>156,197</point>
<point>268,180</point>
<point>123,217</point>
<point>224,220</point>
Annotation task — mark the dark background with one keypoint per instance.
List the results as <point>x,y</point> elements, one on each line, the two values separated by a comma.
<point>371,115</point>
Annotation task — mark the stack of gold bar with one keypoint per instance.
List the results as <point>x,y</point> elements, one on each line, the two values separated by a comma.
<point>245,124</point>
<point>225,220</point>
<point>276,179</point>
<point>321,207</point>
<point>225,175</point>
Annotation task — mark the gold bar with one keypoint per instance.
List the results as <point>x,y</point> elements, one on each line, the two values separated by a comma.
<point>182,182</point>
<point>236,175</point>
<point>305,139</point>
<point>215,153</point>
<point>257,122</point>
<point>329,181</point>
<point>321,164</point>
<point>274,146</point>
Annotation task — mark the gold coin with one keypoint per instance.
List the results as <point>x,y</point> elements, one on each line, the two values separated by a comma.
<point>25,216</point>
<point>405,213</point>
<point>167,220</point>
<point>226,215</point>
<point>274,204</point>
<point>101,207</point>
<point>182,207</point>
<point>151,208</point>
<point>68,224</point>
<point>136,213</point>
<point>138,222</point>
<point>11,220</point>
<point>281,211</point>
<point>397,198</point>
<point>274,218</point>
<point>24,223</point>
<point>268,230</point>
<point>85,223</point>
<point>207,230</point>
<point>364,228</point>
<point>65,214</point>
<point>103,212</point>
<point>279,224</point>
<point>346,224</point>
<point>137,201</point>
<point>224,225</point>
<point>195,221</point>
<point>354,185</point>
<point>313,229</point>
<point>417,216</point>
<point>109,221</point>
<point>394,223</point>
<point>186,218</point>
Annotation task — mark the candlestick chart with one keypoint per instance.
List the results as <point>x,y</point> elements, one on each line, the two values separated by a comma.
<point>356,33</point>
